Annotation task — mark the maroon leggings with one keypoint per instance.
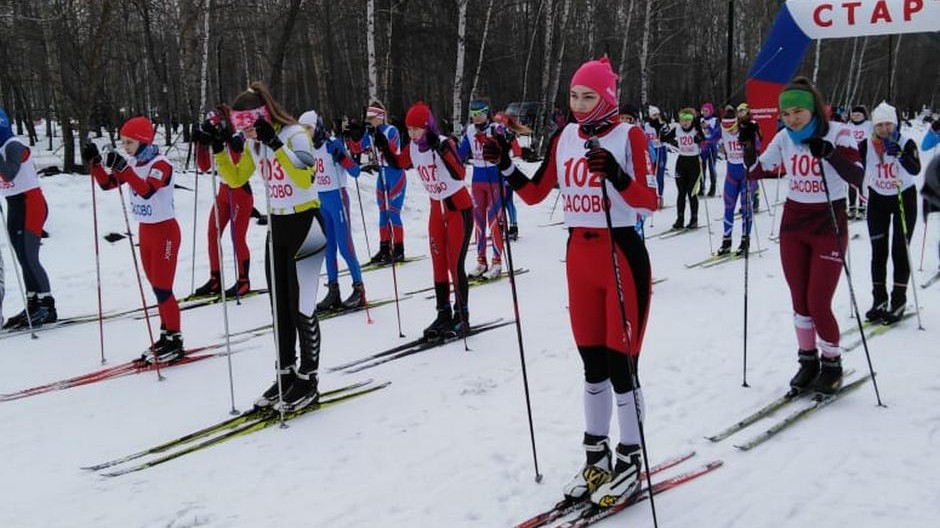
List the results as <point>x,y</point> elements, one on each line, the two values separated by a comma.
<point>812,262</point>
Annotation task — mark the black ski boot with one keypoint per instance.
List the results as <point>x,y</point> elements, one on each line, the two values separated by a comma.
<point>829,380</point>
<point>304,389</point>
<point>460,326</point>
<point>743,248</point>
<point>898,304</point>
<point>44,312</point>
<point>879,305</point>
<point>243,285</point>
<point>444,319</point>
<point>513,232</point>
<point>169,349</point>
<point>595,472</point>
<point>809,369</point>
<point>213,286</point>
<point>19,320</point>
<point>383,256</point>
<point>398,252</point>
<point>678,224</point>
<point>693,223</point>
<point>261,219</point>
<point>725,246</point>
<point>356,299</point>
<point>269,397</point>
<point>332,301</point>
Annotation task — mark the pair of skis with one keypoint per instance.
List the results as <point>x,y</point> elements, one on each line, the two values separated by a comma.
<point>376,266</point>
<point>584,513</point>
<point>715,260</point>
<point>241,425</point>
<point>413,347</point>
<point>817,402</point>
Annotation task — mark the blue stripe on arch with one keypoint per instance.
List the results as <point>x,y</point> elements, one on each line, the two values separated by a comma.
<point>782,52</point>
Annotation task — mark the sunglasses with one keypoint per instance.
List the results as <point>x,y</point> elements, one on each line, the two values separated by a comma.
<point>478,112</point>
<point>242,119</point>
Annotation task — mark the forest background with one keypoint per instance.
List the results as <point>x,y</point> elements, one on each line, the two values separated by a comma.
<point>91,64</point>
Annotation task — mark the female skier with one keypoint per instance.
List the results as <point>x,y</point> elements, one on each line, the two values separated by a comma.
<point>820,158</point>
<point>736,183</point>
<point>861,129</point>
<point>26,215</point>
<point>598,150</point>
<point>891,163</point>
<point>435,159</point>
<point>687,137</point>
<point>149,175</point>
<point>280,149</point>
<point>390,186</point>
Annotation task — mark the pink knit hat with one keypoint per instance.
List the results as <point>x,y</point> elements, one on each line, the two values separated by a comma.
<point>598,76</point>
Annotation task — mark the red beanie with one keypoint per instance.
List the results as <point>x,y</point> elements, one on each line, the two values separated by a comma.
<point>418,116</point>
<point>139,129</point>
<point>598,76</point>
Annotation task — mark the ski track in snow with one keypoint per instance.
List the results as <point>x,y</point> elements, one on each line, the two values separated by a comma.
<point>447,444</point>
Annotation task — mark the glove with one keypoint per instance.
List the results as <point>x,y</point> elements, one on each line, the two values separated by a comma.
<point>236,142</point>
<point>90,154</point>
<point>602,162</point>
<point>336,152</point>
<point>750,153</point>
<point>209,134</point>
<point>434,141</point>
<point>371,168</point>
<point>495,152</point>
<point>892,148</point>
<point>935,126</point>
<point>267,135</point>
<point>115,162</point>
<point>819,147</point>
<point>381,143</point>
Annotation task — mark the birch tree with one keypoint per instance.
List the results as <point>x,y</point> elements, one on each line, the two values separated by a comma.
<point>370,43</point>
<point>459,73</point>
<point>486,30</point>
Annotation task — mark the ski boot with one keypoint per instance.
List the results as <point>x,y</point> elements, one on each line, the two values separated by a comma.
<point>495,269</point>
<point>513,232</point>
<point>625,478</point>
<point>809,369</point>
<point>332,301</point>
<point>879,307</point>
<point>398,252</point>
<point>213,286</point>
<point>170,349</point>
<point>743,248</point>
<point>269,398</point>
<point>725,246</point>
<point>479,270</point>
<point>20,320</point>
<point>898,305</point>
<point>439,325</point>
<point>678,224</point>
<point>383,256</point>
<point>693,223</point>
<point>460,325</point>
<point>240,289</point>
<point>304,389</point>
<point>829,380</point>
<point>356,299</point>
<point>595,472</point>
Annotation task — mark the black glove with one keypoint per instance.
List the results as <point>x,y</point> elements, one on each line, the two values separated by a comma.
<point>819,147</point>
<point>602,162</point>
<point>935,126</point>
<point>747,132</point>
<point>336,152</point>
<point>90,154</point>
<point>209,134</point>
<point>267,135</point>
<point>750,153</point>
<point>371,168</point>
<point>115,162</point>
<point>434,141</point>
<point>892,148</point>
<point>495,152</point>
<point>236,142</point>
<point>381,143</point>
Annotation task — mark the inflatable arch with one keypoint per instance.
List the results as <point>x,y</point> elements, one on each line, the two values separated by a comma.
<point>802,21</point>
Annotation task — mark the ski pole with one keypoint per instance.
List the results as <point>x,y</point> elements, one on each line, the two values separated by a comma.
<point>552,214</point>
<point>362,214</point>
<point>518,318</point>
<point>704,200</point>
<point>391,231</point>
<point>192,280</point>
<point>845,266</point>
<point>907,252</point>
<point>222,293</point>
<point>923,244</point>
<point>140,283</point>
<point>272,281</point>
<point>94,216</point>
<point>19,278</point>
<point>749,207</point>
<point>593,143</point>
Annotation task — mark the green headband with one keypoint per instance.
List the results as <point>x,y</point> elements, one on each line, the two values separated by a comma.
<point>799,98</point>
<point>685,116</point>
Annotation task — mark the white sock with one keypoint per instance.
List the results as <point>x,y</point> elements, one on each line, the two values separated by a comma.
<point>626,416</point>
<point>598,406</point>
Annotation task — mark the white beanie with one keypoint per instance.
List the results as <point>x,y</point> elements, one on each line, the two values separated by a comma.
<point>653,110</point>
<point>309,118</point>
<point>884,113</point>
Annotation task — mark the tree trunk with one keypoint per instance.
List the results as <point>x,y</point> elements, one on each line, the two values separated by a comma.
<point>280,48</point>
<point>486,30</point>
<point>370,45</point>
<point>644,54</point>
<point>459,73</point>
<point>625,20</point>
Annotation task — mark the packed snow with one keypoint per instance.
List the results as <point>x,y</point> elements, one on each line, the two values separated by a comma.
<point>447,443</point>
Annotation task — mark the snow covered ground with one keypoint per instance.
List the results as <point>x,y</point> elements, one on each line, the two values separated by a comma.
<point>447,444</point>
